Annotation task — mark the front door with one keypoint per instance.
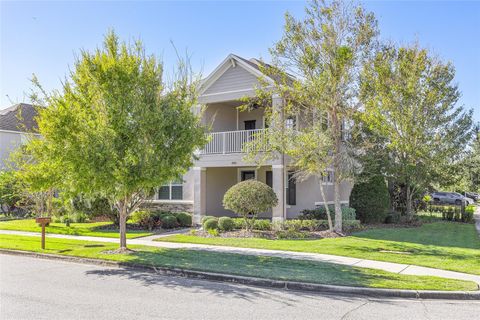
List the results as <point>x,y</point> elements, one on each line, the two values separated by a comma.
<point>250,124</point>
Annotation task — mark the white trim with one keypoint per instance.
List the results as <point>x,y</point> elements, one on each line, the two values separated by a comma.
<point>226,92</point>
<point>171,201</point>
<point>330,202</point>
<point>200,168</point>
<point>278,166</point>
<point>227,63</point>
<point>20,132</point>
<point>239,172</point>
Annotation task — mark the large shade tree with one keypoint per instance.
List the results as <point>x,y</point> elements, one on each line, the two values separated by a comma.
<point>316,66</point>
<point>410,101</point>
<point>116,129</point>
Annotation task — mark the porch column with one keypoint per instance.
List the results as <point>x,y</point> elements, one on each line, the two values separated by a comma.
<point>278,182</point>
<point>199,194</point>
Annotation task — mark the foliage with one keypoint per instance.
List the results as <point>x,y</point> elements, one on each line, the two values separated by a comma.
<point>116,129</point>
<point>248,198</point>
<point>324,50</point>
<point>168,222</point>
<point>454,213</point>
<point>9,192</point>
<point>213,232</point>
<point>145,219</point>
<point>409,100</point>
<point>226,224</point>
<point>262,224</point>
<point>210,224</point>
<point>184,219</point>
<point>320,213</point>
<point>205,218</point>
<point>371,199</point>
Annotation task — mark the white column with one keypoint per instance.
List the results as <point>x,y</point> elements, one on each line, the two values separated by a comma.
<point>278,182</point>
<point>199,194</point>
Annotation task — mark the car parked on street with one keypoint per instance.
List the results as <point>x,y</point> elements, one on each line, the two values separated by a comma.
<point>473,195</point>
<point>450,198</point>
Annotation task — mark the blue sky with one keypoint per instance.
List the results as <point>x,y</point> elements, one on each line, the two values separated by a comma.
<point>42,37</point>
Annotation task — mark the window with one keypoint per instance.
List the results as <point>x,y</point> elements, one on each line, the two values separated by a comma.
<point>328,177</point>
<point>247,175</point>
<point>291,189</point>
<point>171,191</point>
<point>290,123</point>
<point>269,179</point>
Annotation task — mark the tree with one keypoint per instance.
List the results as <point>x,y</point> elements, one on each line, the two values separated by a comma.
<point>248,198</point>
<point>9,191</point>
<point>410,101</point>
<point>370,198</point>
<point>323,52</point>
<point>116,130</point>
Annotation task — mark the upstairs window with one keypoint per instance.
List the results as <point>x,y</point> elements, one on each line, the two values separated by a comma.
<point>328,177</point>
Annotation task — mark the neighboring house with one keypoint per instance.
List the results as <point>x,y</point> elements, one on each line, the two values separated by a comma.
<point>15,122</point>
<point>221,165</point>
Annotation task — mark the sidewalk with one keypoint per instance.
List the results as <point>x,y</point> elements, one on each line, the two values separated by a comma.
<point>356,262</point>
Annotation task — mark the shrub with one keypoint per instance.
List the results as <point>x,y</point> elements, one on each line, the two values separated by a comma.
<point>371,199</point>
<point>468,214</point>
<point>290,234</point>
<point>293,225</point>
<point>226,224</point>
<point>213,232</point>
<point>184,219</point>
<point>393,217</point>
<point>169,221</point>
<point>205,218</point>
<point>263,225</point>
<point>239,223</point>
<point>319,213</point>
<point>248,198</point>
<point>310,225</point>
<point>79,217</point>
<point>145,219</point>
<point>210,224</point>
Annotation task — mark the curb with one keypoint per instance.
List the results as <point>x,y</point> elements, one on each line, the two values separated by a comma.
<point>260,282</point>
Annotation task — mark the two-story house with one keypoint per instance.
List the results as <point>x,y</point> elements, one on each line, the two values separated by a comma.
<point>220,163</point>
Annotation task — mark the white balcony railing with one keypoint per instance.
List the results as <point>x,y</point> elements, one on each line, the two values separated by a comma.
<point>234,141</point>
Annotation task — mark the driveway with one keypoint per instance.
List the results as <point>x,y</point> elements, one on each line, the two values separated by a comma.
<point>44,289</point>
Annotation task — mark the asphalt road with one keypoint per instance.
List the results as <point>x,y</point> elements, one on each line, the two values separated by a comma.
<point>33,288</point>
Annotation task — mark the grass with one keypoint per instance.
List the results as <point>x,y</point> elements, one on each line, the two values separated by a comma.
<point>443,245</point>
<point>257,266</point>
<point>93,229</point>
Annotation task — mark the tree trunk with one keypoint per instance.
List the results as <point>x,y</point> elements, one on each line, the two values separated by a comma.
<point>409,203</point>
<point>338,208</point>
<point>327,210</point>
<point>123,224</point>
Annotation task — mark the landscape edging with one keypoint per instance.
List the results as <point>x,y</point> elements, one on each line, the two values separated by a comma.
<point>260,282</point>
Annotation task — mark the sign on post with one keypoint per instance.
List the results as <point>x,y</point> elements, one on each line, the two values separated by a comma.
<point>43,221</point>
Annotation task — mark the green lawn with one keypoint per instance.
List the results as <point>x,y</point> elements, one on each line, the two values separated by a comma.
<point>93,229</point>
<point>443,245</point>
<point>263,267</point>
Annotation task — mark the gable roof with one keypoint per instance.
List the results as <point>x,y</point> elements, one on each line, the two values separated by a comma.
<point>19,117</point>
<point>232,60</point>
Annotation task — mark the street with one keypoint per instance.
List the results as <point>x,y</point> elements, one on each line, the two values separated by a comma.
<point>44,289</point>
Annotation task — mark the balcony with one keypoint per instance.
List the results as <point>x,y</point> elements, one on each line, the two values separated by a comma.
<point>228,142</point>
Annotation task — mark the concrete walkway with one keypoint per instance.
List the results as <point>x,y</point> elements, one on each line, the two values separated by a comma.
<point>356,262</point>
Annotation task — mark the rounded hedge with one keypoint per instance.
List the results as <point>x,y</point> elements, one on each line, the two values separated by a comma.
<point>226,224</point>
<point>370,199</point>
<point>205,218</point>
<point>249,197</point>
<point>169,222</point>
<point>210,224</point>
<point>184,219</point>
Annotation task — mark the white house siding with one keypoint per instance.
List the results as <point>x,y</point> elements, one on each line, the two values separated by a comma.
<point>233,79</point>
<point>9,141</point>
